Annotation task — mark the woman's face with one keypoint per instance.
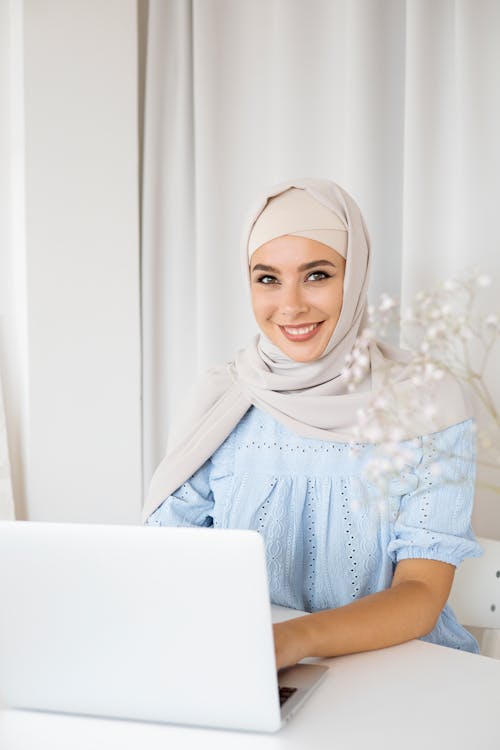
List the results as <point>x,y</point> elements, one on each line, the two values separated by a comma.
<point>297,291</point>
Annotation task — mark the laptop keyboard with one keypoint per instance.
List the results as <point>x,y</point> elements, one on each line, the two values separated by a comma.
<point>285,693</point>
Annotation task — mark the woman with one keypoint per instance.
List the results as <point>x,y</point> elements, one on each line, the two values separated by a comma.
<point>267,445</point>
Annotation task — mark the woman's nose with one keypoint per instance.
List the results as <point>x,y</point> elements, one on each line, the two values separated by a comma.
<point>292,302</point>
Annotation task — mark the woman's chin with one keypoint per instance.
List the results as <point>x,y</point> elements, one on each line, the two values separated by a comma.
<point>300,352</point>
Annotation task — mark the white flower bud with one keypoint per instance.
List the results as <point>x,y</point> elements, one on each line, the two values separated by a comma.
<point>363,360</point>
<point>386,303</point>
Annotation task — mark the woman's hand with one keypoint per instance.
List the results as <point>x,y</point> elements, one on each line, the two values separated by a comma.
<point>289,642</point>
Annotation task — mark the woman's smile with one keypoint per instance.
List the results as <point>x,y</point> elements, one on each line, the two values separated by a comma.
<point>303,332</point>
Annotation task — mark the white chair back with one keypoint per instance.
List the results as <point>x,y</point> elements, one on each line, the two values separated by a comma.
<point>475,595</point>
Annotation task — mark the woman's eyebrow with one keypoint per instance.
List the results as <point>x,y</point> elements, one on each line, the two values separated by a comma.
<point>313,263</point>
<point>303,267</point>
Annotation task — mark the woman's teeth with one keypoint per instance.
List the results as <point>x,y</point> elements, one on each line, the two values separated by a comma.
<point>302,330</point>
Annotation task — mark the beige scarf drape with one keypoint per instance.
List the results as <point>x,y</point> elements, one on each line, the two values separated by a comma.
<point>312,398</point>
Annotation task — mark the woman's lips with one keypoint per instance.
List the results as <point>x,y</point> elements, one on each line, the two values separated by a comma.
<point>300,333</point>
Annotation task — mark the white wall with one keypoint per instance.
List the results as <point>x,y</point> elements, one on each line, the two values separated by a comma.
<point>83,423</point>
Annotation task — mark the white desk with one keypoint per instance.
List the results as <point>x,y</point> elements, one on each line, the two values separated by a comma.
<point>412,696</point>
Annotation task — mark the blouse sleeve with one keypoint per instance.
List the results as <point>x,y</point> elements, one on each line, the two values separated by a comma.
<point>434,518</point>
<point>191,505</point>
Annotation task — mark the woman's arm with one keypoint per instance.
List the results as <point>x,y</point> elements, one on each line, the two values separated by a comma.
<point>409,609</point>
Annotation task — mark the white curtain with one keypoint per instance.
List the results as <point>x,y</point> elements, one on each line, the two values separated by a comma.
<point>10,343</point>
<point>397,101</point>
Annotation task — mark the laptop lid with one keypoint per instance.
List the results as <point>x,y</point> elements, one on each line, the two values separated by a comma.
<point>148,623</point>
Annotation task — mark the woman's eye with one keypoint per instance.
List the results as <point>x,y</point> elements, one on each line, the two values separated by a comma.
<point>318,276</point>
<point>266,279</point>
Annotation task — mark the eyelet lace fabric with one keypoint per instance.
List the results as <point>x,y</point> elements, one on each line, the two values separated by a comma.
<point>330,537</point>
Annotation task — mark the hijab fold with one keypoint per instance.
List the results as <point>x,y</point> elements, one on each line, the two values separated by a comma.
<point>311,399</point>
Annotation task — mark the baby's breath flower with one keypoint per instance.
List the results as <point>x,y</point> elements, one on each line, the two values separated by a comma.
<point>437,323</point>
<point>483,280</point>
<point>363,361</point>
<point>386,303</point>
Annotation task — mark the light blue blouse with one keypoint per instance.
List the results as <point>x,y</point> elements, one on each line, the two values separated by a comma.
<point>330,537</point>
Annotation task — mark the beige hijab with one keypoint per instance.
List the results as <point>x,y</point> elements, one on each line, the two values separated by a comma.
<point>311,399</point>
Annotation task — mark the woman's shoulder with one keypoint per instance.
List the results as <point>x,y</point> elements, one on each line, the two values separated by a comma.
<point>253,424</point>
<point>454,444</point>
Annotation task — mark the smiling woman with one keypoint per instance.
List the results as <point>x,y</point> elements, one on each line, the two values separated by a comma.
<point>269,443</point>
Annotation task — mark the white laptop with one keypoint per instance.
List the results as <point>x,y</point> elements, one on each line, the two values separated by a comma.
<point>147,623</point>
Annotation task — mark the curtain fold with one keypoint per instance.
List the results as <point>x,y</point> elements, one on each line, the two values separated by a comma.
<point>397,101</point>
<point>6,496</point>
<point>169,265</point>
